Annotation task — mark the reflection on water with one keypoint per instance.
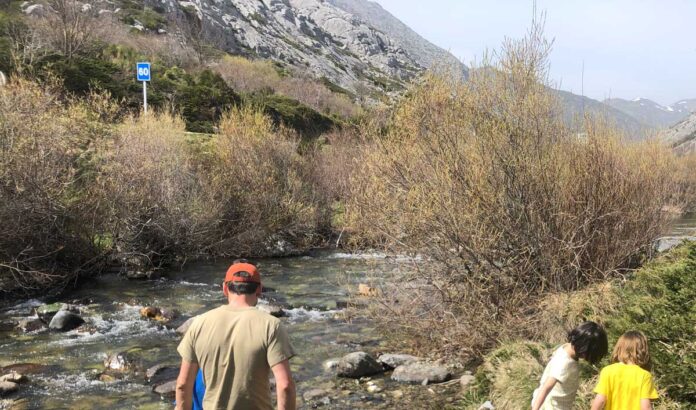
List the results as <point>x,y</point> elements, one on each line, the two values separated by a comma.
<point>685,225</point>
<point>69,363</point>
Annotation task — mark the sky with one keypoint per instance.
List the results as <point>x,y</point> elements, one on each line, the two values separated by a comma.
<point>629,48</point>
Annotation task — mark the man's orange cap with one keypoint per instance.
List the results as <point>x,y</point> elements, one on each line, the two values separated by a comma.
<point>243,272</point>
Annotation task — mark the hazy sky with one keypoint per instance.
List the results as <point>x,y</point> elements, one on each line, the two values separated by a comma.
<point>630,48</point>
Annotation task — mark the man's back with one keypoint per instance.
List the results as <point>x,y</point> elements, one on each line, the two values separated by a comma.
<point>235,348</point>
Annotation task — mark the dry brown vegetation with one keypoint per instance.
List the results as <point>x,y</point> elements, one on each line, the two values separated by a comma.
<point>505,202</point>
<point>260,75</point>
<point>46,162</point>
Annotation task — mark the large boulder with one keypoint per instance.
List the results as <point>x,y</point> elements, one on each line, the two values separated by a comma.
<point>64,321</point>
<point>358,364</point>
<point>421,373</point>
<point>392,361</point>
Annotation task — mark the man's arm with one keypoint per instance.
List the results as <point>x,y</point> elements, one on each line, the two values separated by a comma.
<point>599,402</point>
<point>285,387</point>
<point>645,404</point>
<point>543,392</point>
<point>184,385</point>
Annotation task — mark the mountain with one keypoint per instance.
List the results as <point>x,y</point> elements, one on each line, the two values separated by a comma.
<point>313,36</point>
<point>575,106</point>
<point>682,136</point>
<point>651,113</point>
<point>423,51</point>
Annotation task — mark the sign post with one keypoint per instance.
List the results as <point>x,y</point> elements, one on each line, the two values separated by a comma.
<point>143,71</point>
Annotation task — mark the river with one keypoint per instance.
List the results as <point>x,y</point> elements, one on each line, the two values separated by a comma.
<point>312,288</point>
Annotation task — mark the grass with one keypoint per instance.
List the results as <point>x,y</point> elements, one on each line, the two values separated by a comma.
<point>657,300</point>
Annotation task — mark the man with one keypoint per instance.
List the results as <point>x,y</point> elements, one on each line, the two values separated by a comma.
<point>236,346</point>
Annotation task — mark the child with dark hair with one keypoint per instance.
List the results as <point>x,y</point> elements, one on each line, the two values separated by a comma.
<point>626,384</point>
<point>561,379</point>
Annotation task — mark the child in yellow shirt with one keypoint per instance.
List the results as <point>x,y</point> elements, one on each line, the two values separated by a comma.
<point>627,383</point>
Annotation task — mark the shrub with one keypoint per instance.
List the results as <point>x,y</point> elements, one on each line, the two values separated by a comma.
<point>291,113</point>
<point>484,179</point>
<point>258,188</point>
<point>47,221</point>
<point>149,185</point>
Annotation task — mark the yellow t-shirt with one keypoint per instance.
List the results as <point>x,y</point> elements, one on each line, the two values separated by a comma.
<point>624,385</point>
<point>236,348</point>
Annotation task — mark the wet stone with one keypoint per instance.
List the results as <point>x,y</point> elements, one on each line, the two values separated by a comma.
<point>273,310</point>
<point>46,312</point>
<point>166,390</point>
<point>121,362</point>
<point>314,394</point>
<point>160,373</point>
<point>184,327</point>
<point>7,388</point>
<point>358,364</point>
<point>30,325</point>
<point>26,368</point>
<point>14,377</point>
<point>330,364</point>
<point>65,320</point>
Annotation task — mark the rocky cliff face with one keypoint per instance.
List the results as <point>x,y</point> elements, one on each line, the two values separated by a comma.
<point>424,52</point>
<point>313,36</point>
<point>682,137</point>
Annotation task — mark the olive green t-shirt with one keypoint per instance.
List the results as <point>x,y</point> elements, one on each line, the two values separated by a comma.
<point>236,348</point>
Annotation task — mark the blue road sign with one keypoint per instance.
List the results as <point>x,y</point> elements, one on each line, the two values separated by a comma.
<point>143,71</point>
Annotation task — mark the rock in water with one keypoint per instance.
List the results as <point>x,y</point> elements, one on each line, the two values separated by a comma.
<point>367,290</point>
<point>273,310</point>
<point>166,390</point>
<point>13,377</point>
<point>392,361</point>
<point>121,362</point>
<point>358,364</point>
<point>30,325</point>
<point>64,321</point>
<point>8,388</point>
<point>46,312</point>
<point>161,373</point>
<point>421,373</point>
<point>184,327</point>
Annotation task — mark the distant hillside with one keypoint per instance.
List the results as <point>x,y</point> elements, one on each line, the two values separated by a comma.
<point>576,105</point>
<point>651,113</point>
<point>423,51</point>
<point>682,137</point>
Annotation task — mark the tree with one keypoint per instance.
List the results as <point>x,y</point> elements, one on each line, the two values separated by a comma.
<point>72,27</point>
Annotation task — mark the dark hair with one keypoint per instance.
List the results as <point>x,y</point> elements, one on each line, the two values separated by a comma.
<point>242,288</point>
<point>589,341</point>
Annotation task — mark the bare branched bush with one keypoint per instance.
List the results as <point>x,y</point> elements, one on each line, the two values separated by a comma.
<point>506,203</point>
<point>260,197</point>
<point>260,75</point>
<point>71,26</point>
<point>150,187</point>
<point>47,221</point>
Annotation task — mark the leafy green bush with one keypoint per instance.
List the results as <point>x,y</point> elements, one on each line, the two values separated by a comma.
<point>660,301</point>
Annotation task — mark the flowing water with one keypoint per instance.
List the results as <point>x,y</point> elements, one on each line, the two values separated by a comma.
<point>311,288</point>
